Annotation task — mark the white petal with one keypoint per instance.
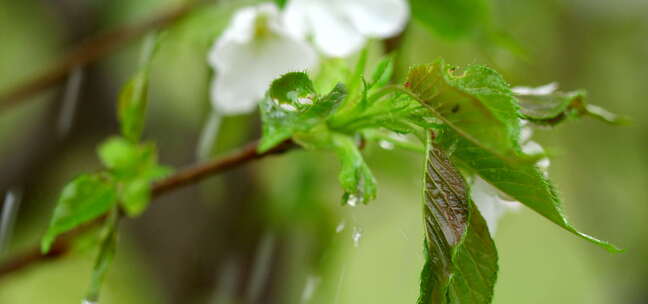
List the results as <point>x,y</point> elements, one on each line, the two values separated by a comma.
<point>490,204</point>
<point>254,67</point>
<point>533,147</point>
<point>332,31</point>
<point>537,91</point>
<point>333,34</point>
<point>295,18</point>
<point>240,30</point>
<point>377,18</point>
<point>246,67</point>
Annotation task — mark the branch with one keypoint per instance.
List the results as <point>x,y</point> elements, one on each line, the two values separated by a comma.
<point>87,52</point>
<point>182,178</point>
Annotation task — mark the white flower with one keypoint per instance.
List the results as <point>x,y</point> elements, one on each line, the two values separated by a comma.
<point>493,203</point>
<point>253,51</point>
<point>340,27</point>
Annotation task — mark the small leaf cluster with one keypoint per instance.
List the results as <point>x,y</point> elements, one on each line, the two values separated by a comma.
<point>123,186</point>
<point>469,120</point>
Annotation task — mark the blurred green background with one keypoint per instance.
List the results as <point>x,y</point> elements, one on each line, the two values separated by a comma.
<point>201,244</point>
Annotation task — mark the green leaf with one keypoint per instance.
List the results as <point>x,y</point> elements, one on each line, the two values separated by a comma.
<point>293,106</point>
<point>399,113</point>
<point>461,259</point>
<point>524,182</point>
<point>554,107</point>
<point>126,159</point>
<point>451,18</point>
<point>355,176</point>
<point>293,88</point>
<point>281,3</point>
<point>476,102</point>
<point>331,71</point>
<point>131,108</point>
<point>85,198</point>
<point>107,251</point>
<point>382,73</point>
<point>135,168</point>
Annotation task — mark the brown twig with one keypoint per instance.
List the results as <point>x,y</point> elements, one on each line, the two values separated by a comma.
<point>87,52</point>
<point>182,178</point>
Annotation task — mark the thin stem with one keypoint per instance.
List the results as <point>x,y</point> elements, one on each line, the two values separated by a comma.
<point>182,178</point>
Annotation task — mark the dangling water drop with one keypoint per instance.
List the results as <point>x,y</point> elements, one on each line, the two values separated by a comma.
<point>356,236</point>
<point>86,301</point>
<point>353,200</point>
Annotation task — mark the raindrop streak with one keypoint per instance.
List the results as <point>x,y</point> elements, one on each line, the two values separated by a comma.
<point>356,236</point>
<point>209,136</point>
<point>311,285</point>
<point>340,227</point>
<point>70,101</point>
<point>9,212</point>
<point>226,283</point>
<point>339,287</point>
<point>261,268</point>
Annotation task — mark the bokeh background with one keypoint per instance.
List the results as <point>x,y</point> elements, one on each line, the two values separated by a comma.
<point>268,230</point>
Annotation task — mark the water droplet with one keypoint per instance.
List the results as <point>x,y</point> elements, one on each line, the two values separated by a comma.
<point>340,227</point>
<point>86,301</point>
<point>356,236</point>
<point>288,107</point>
<point>386,145</point>
<point>311,285</point>
<point>353,200</point>
<point>452,149</point>
<point>304,101</point>
<point>432,120</point>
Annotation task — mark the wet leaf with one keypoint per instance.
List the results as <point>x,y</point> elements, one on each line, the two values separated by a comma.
<point>107,251</point>
<point>476,102</point>
<point>84,199</point>
<point>131,108</point>
<point>382,73</point>
<point>356,178</point>
<point>135,168</point>
<point>551,107</point>
<point>293,106</point>
<point>461,259</point>
<point>524,182</point>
